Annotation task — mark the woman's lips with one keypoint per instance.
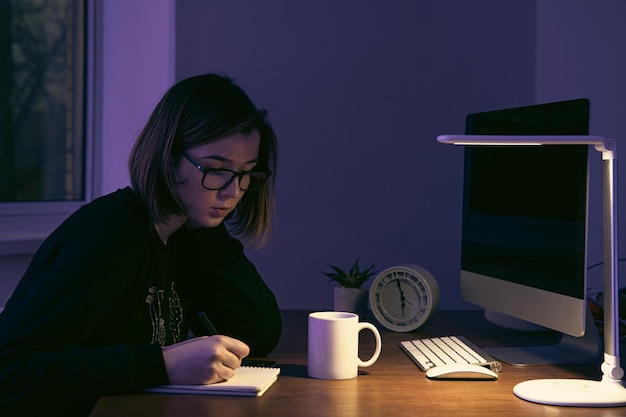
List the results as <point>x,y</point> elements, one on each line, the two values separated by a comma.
<point>221,211</point>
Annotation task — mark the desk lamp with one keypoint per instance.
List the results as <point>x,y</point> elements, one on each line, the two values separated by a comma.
<point>609,391</point>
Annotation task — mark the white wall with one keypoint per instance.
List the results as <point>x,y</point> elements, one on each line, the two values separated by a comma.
<point>137,68</point>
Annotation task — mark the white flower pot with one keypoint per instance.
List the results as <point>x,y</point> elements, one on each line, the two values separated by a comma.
<point>353,300</point>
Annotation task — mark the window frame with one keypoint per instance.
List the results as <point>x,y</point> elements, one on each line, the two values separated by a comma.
<point>24,225</point>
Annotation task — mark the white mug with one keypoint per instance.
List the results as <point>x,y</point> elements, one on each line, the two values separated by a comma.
<point>334,345</point>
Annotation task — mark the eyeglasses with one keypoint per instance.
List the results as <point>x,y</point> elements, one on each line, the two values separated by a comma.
<point>220,178</point>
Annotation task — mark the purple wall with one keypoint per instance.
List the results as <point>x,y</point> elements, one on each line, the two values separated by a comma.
<point>581,53</point>
<point>358,92</point>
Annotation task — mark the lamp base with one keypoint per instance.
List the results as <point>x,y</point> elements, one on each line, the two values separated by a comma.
<point>572,392</point>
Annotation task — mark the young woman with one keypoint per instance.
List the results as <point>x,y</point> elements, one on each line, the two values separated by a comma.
<point>110,302</point>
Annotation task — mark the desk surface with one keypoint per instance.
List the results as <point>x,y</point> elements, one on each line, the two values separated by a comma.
<point>393,386</point>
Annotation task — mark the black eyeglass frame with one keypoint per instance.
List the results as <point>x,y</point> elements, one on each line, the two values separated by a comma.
<point>265,174</point>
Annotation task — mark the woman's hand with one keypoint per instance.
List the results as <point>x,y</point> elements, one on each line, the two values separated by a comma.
<point>204,360</point>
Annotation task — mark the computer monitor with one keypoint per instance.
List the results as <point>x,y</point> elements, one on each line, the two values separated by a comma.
<point>524,228</point>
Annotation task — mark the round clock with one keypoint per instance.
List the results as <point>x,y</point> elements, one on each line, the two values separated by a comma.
<point>403,297</point>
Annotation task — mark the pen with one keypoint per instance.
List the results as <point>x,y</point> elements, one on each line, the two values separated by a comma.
<point>207,323</point>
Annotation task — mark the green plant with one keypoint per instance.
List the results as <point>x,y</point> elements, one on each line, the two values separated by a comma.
<point>353,278</point>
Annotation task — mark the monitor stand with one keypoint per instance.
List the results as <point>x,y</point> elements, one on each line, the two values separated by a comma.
<point>569,350</point>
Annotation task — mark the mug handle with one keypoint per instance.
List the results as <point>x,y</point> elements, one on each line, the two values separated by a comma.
<point>370,361</point>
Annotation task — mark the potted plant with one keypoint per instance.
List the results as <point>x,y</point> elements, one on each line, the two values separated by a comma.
<point>349,296</point>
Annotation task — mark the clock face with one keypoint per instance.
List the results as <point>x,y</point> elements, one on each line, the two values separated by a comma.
<point>403,298</point>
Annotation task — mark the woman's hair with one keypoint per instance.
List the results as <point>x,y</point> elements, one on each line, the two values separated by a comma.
<point>196,111</point>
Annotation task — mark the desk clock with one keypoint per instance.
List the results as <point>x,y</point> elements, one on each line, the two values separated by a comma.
<point>403,297</point>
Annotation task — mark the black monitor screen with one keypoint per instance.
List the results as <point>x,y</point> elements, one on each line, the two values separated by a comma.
<point>524,214</point>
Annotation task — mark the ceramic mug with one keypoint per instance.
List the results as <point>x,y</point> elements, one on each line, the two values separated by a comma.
<point>334,345</point>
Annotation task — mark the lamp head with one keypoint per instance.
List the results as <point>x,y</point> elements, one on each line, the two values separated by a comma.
<point>606,146</point>
<point>528,140</point>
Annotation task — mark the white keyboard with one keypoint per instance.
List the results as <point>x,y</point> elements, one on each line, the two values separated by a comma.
<point>430,352</point>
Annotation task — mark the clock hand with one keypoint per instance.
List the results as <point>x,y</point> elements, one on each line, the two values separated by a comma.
<point>402,299</point>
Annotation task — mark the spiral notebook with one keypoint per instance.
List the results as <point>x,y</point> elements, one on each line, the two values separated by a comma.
<point>248,381</point>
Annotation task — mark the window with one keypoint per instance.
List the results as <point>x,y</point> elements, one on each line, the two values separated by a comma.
<point>43,145</point>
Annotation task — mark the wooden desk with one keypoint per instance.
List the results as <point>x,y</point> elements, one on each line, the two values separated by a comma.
<point>393,386</point>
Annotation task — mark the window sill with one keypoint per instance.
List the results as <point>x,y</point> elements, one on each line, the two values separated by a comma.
<point>23,245</point>
<point>23,236</point>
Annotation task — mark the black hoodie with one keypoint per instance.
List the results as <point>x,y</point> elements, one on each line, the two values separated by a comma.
<point>103,294</point>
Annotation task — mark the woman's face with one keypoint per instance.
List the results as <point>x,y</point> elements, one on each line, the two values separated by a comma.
<point>208,208</point>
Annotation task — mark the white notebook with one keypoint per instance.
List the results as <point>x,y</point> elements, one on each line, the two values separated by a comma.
<point>248,381</point>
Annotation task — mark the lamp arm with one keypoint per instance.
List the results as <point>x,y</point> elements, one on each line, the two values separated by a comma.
<point>611,369</point>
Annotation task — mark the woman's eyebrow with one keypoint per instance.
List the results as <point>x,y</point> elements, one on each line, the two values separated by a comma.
<point>223,159</point>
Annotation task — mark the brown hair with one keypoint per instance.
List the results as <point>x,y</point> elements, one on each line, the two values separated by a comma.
<point>195,111</point>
